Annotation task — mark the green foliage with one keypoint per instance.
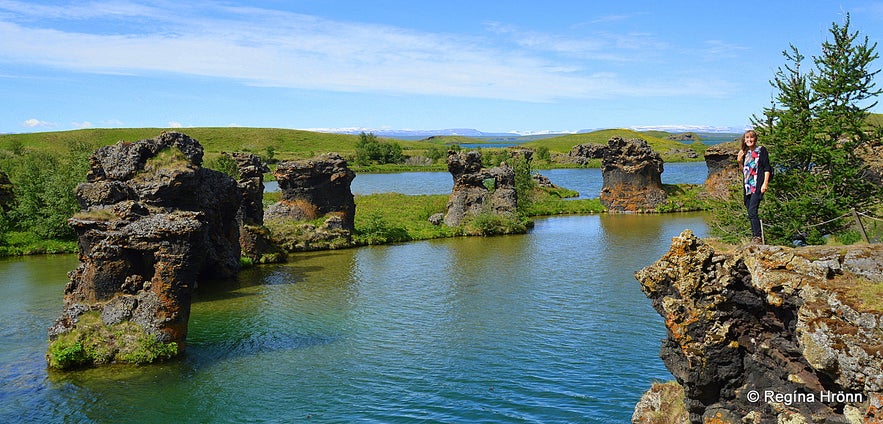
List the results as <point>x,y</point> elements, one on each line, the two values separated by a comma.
<point>66,353</point>
<point>543,153</point>
<point>551,202</point>
<point>813,130</point>
<point>93,342</point>
<point>524,183</point>
<point>436,153</point>
<point>44,184</point>
<point>683,198</point>
<point>371,150</point>
<point>225,164</point>
<point>399,217</point>
<point>376,230</point>
<point>491,224</point>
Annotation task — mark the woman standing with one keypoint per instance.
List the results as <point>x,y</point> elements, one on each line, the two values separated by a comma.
<point>756,170</point>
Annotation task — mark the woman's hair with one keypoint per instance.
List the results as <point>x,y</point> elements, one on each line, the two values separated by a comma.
<point>742,146</point>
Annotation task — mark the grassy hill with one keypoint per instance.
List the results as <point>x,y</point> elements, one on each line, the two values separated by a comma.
<point>297,144</point>
<point>286,144</point>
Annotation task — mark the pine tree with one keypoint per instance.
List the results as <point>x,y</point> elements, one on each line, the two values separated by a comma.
<point>814,128</point>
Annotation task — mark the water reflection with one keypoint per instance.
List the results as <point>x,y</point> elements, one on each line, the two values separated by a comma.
<point>548,327</point>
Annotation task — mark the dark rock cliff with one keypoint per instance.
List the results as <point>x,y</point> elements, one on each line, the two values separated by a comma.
<point>153,222</point>
<point>632,175</point>
<point>771,334</point>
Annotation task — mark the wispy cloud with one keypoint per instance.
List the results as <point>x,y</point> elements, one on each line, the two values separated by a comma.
<point>282,49</point>
<point>36,123</point>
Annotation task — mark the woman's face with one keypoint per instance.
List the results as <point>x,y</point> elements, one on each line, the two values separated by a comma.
<point>750,140</point>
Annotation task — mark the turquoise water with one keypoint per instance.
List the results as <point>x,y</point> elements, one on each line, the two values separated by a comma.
<point>546,327</point>
<point>587,181</point>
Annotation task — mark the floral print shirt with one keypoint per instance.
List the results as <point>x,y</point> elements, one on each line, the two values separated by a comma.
<point>756,163</point>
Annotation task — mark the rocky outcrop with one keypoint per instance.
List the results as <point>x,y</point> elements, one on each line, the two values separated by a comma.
<point>479,190</point>
<point>632,174</point>
<point>153,222</point>
<point>254,239</point>
<point>771,334</point>
<point>251,171</point>
<point>317,188</point>
<point>581,154</point>
<point>723,169</point>
<point>6,193</point>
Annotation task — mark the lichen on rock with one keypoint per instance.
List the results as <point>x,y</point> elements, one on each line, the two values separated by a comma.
<point>632,174</point>
<point>778,323</point>
<point>153,223</point>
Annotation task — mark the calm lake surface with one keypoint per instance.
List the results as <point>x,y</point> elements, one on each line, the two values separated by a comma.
<point>547,327</point>
<point>587,181</point>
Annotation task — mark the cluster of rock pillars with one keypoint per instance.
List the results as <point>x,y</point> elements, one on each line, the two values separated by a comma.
<point>154,223</point>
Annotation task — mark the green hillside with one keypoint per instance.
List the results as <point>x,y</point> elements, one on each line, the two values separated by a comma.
<point>286,144</point>
<point>297,144</point>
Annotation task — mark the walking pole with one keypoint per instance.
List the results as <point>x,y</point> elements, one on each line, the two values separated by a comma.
<point>762,237</point>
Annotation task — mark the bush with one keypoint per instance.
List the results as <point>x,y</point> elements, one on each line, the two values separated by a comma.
<point>370,150</point>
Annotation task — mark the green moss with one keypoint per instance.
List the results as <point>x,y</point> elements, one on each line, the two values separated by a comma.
<point>92,343</point>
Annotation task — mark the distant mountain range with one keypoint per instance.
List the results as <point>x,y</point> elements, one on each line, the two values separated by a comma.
<point>470,132</point>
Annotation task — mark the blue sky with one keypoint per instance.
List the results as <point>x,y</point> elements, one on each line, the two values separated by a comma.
<point>526,66</point>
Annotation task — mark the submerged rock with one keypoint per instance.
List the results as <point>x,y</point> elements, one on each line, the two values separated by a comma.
<point>153,223</point>
<point>771,334</point>
<point>632,175</point>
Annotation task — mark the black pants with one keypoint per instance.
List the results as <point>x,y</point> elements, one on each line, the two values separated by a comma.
<point>752,202</point>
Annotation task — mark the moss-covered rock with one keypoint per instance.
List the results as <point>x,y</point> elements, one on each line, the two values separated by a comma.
<point>92,342</point>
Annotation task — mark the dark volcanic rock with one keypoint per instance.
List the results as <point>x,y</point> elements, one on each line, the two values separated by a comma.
<point>316,187</point>
<point>153,222</point>
<point>470,196</point>
<point>251,184</point>
<point>764,334</point>
<point>582,153</point>
<point>632,175</point>
<point>254,238</point>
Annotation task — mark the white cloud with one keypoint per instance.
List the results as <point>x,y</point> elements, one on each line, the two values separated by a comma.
<point>174,124</point>
<point>35,123</point>
<point>81,125</point>
<point>281,49</point>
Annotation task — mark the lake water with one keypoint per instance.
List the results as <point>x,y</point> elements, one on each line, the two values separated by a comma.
<point>587,181</point>
<point>547,327</point>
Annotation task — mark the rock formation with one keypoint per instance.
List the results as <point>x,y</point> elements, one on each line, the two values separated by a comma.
<point>632,175</point>
<point>311,189</point>
<point>470,196</point>
<point>251,185</point>
<point>6,193</point>
<point>581,154</point>
<point>254,238</point>
<point>772,334</point>
<point>153,223</point>
<point>723,169</point>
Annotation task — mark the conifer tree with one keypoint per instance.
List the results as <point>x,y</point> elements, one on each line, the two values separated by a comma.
<point>814,129</point>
